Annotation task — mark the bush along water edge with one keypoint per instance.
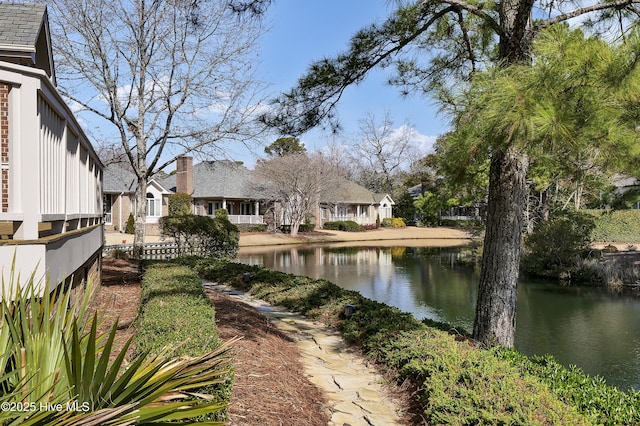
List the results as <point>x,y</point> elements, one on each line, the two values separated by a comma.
<point>454,381</point>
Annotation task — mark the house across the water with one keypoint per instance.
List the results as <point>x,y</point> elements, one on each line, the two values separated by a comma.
<point>228,185</point>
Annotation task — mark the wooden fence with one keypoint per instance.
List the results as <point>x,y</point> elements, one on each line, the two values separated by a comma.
<point>152,251</point>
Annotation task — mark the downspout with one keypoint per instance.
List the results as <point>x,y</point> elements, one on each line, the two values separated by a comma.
<point>120,212</point>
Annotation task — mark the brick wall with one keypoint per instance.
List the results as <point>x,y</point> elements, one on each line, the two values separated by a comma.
<point>4,145</point>
<point>184,175</point>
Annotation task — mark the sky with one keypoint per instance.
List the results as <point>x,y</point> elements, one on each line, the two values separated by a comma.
<point>302,31</point>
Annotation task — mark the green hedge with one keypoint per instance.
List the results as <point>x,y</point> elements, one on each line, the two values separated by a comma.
<point>464,224</point>
<point>343,225</point>
<point>249,227</point>
<point>176,312</point>
<point>622,226</point>
<point>455,383</point>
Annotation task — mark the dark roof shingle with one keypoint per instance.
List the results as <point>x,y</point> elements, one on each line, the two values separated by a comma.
<point>117,179</point>
<point>20,23</point>
<point>218,179</point>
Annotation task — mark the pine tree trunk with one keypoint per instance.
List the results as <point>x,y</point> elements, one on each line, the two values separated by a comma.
<point>495,320</point>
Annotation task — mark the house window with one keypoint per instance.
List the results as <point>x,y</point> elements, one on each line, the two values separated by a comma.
<point>212,207</point>
<point>154,208</point>
<point>245,209</point>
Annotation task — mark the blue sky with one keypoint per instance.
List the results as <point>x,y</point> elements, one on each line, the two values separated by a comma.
<point>302,31</point>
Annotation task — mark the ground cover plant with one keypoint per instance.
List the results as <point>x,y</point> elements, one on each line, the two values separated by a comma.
<point>455,382</point>
<point>622,226</point>
<point>175,312</point>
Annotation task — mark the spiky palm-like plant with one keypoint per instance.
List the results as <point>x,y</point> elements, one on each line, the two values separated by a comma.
<point>56,368</point>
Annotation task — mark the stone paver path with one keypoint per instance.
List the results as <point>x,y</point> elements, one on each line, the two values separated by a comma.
<point>354,390</point>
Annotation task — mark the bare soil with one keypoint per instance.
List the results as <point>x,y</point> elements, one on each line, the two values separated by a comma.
<point>118,299</point>
<point>270,387</point>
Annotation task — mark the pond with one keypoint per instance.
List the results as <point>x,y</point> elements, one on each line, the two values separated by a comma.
<point>589,327</point>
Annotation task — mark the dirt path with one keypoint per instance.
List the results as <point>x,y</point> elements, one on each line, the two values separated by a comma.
<point>435,237</point>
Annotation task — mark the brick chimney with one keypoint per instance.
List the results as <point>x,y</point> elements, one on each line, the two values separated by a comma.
<point>184,175</point>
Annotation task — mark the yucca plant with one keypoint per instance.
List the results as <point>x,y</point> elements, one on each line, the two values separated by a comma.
<point>55,368</point>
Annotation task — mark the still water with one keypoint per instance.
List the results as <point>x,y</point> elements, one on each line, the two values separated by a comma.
<point>588,327</point>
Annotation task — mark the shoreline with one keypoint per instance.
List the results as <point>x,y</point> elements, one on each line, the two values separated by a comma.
<point>387,237</point>
<point>433,237</point>
<point>382,236</point>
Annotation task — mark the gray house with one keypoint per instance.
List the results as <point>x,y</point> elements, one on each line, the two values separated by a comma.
<point>119,190</point>
<point>217,185</point>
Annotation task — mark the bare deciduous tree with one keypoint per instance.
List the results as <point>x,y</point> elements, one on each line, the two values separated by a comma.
<point>170,77</point>
<point>340,162</point>
<point>298,182</point>
<point>380,152</point>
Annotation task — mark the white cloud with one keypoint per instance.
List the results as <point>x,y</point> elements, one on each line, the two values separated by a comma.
<point>423,143</point>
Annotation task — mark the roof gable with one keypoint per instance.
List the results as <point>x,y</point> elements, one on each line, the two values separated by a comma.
<point>118,179</point>
<point>24,36</point>
<point>352,193</point>
<point>159,187</point>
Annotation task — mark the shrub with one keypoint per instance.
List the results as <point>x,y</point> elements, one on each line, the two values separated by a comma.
<point>202,235</point>
<point>179,204</point>
<point>221,214</point>
<point>464,224</point>
<point>343,225</point>
<point>303,227</point>
<point>555,245</point>
<point>130,227</point>
<point>396,222</point>
<point>119,253</point>
<point>307,227</point>
<point>252,227</point>
<point>285,229</point>
<point>168,291</point>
